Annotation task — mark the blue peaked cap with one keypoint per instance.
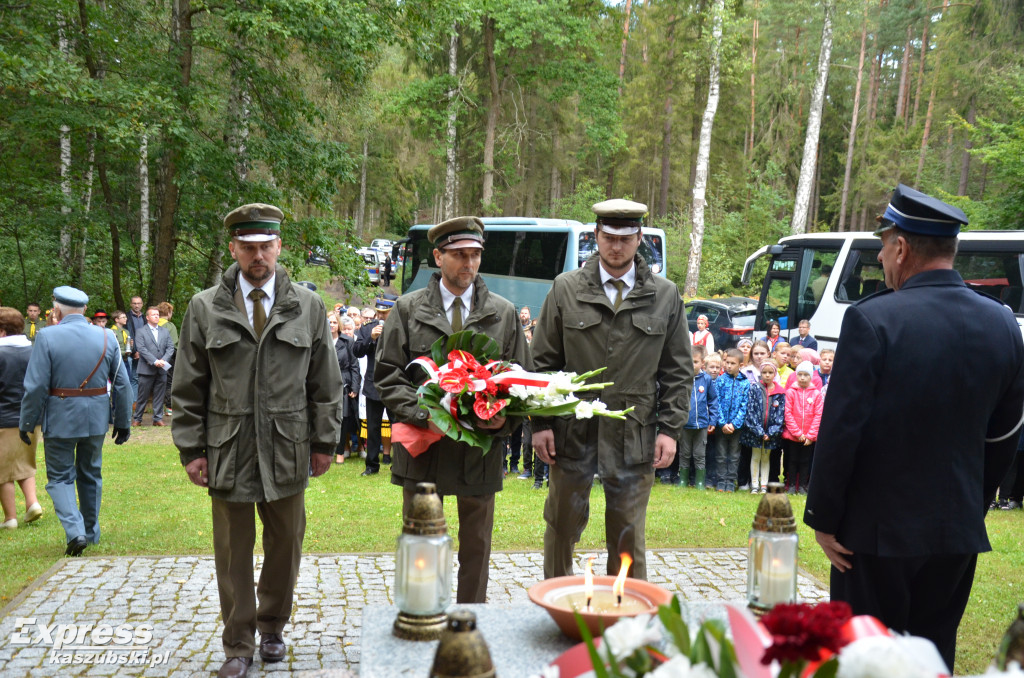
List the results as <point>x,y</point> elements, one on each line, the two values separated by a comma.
<point>70,296</point>
<point>916,212</point>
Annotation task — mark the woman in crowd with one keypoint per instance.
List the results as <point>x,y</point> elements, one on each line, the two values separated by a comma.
<point>341,332</point>
<point>774,334</point>
<point>17,460</point>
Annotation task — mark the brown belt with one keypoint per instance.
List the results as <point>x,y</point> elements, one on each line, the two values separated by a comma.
<point>73,392</point>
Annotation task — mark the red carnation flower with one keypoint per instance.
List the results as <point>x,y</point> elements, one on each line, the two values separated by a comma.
<point>804,632</point>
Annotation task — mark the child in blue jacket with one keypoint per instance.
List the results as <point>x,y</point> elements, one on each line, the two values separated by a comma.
<point>766,419</point>
<point>732,387</point>
<point>703,419</point>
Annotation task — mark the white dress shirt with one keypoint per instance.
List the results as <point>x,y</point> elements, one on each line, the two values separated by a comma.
<point>448,297</point>
<point>629,277</point>
<point>268,294</point>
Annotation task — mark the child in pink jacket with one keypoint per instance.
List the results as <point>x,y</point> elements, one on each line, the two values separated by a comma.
<point>803,416</point>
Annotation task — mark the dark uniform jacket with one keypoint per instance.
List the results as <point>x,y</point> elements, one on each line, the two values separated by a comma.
<point>416,322</point>
<point>924,376</point>
<point>349,366</point>
<point>646,348</point>
<point>256,408</point>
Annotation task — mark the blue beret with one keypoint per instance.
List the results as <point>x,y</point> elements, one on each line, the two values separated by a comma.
<point>916,212</point>
<point>70,296</point>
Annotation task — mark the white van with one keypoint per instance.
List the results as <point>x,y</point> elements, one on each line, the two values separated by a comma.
<point>817,276</point>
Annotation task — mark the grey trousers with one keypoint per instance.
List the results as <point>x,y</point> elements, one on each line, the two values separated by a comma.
<point>567,512</point>
<point>151,385</point>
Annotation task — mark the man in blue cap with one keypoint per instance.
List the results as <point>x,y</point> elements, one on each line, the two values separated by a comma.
<point>912,445</point>
<point>66,388</point>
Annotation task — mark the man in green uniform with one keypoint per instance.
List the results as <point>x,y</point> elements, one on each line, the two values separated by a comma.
<point>612,313</point>
<point>256,413</point>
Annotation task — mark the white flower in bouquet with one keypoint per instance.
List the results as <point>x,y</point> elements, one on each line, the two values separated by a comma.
<point>562,382</point>
<point>680,667</point>
<point>629,634</point>
<point>584,410</point>
<point>897,656</point>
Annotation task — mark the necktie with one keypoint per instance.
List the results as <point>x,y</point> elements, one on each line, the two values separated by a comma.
<point>619,285</point>
<point>457,314</point>
<point>259,314</point>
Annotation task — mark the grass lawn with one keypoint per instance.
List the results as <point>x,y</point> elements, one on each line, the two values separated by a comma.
<point>150,508</point>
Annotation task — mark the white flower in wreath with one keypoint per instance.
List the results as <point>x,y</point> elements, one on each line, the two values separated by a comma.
<point>680,667</point>
<point>902,656</point>
<point>631,633</point>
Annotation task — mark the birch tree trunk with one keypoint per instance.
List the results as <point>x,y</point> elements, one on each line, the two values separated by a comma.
<point>65,161</point>
<point>556,176</point>
<point>487,195</point>
<point>361,214</point>
<point>920,74</point>
<point>625,42</point>
<point>851,143</point>
<point>450,164</point>
<point>753,82</point>
<point>809,162</point>
<point>144,198</point>
<point>700,182</point>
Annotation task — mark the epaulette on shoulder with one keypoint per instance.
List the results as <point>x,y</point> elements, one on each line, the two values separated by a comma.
<point>876,295</point>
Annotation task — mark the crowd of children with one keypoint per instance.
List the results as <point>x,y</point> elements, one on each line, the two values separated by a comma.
<point>754,416</point>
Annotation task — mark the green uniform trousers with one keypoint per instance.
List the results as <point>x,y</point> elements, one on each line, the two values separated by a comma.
<point>234,538</point>
<point>567,511</point>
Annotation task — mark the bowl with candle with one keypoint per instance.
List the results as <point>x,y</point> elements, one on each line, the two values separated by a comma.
<point>600,600</point>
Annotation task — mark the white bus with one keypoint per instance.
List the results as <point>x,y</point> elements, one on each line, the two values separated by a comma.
<point>818,275</point>
<point>522,255</point>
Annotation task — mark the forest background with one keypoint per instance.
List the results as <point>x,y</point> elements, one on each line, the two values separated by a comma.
<point>128,128</point>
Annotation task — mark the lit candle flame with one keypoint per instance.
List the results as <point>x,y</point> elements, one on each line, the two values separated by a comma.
<point>588,580</point>
<point>420,564</point>
<point>619,587</point>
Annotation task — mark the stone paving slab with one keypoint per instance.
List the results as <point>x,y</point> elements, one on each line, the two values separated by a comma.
<point>171,604</point>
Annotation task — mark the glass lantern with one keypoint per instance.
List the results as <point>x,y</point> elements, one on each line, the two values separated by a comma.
<point>423,568</point>
<point>772,557</point>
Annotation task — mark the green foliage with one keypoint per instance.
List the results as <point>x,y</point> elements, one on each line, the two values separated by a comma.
<point>578,205</point>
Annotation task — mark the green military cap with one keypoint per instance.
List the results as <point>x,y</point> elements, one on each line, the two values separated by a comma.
<point>457,233</point>
<point>255,222</point>
<point>620,217</point>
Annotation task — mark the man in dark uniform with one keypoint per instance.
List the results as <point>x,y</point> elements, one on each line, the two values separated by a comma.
<point>920,423</point>
<point>612,313</point>
<point>255,415</point>
<point>454,299</point>
<point>366,347</point>
<point>66,389</point>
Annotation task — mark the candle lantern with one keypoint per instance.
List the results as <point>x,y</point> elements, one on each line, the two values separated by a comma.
<point>423,568</point>
<point>772,558</point>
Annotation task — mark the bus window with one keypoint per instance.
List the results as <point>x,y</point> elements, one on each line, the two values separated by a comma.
<point>776,306</point>
<point>862,275</point>
<point>815,268</point>
<point>651,249</point>
<point>534,255</point>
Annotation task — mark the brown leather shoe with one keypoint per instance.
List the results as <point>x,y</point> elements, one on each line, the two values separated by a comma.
<point>136,423</point>
<point>272,647</point>
<point>159,423</point>
<point>236,667</point>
